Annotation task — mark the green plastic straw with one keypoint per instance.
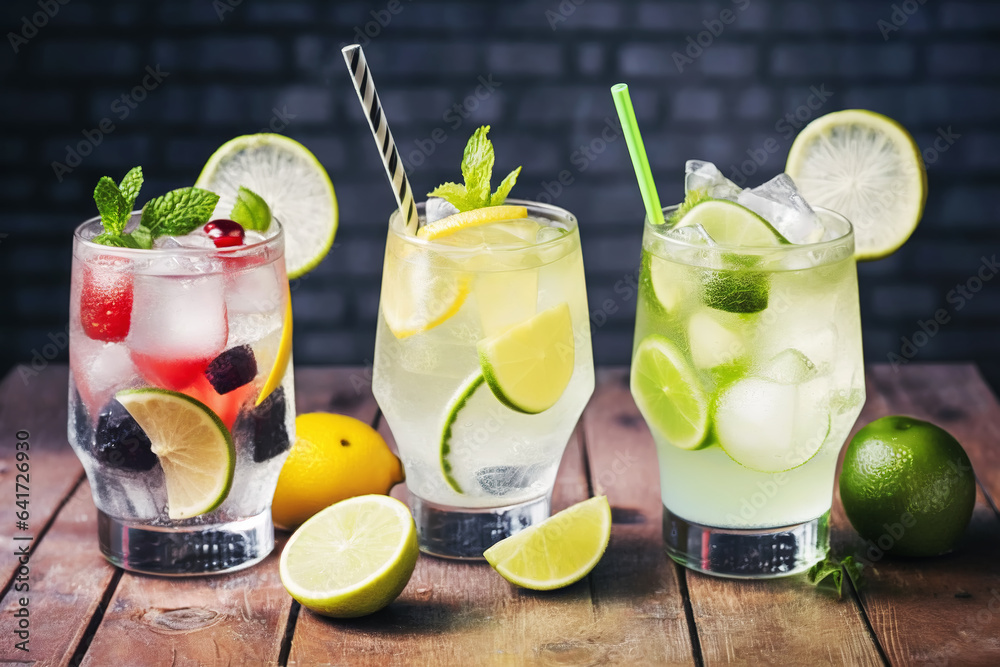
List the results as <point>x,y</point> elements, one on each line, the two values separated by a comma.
<point>623,103</point>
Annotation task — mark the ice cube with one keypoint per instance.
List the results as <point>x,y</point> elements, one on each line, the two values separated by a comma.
<point>178,326</point>
<point>692,234</point>
<point>99,370</point>
<point>712,343</point>
<point>437,208</point>
<point>701,175</point>
<point>789,367</point>
<point>778,201</point>
<point>192,240</point>
<point>257,290</point>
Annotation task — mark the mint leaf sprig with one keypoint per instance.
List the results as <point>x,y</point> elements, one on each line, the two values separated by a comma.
<point>477,171</point>
<point>829,573</point>
<point>178,212</point>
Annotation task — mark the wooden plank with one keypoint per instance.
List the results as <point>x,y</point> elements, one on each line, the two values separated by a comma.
<point>946,609</point>
<point>457,613</point>
<point>636,592</point>
<point>35,403</point>
<point>232,619</point>
<point>68,578</point>
<point>781,621</point>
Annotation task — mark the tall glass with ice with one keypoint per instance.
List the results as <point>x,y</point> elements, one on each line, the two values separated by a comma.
<point>747,367</point>
<point>181,404</point>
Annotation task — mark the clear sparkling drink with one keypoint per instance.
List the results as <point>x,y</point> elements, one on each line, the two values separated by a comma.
<point>461,320</point>
<point>181,398</point>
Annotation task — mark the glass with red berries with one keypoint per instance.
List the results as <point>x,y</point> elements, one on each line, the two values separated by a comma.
<point>181,403</point>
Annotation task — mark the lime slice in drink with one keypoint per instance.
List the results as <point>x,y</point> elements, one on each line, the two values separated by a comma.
<point>664,279</point>
<point>866,167</point>
<point>712,342</point>
<point>455,406</point>
<point>668,393</point>
<point>738,290</point>
<point>351,559</point>
<point>418,292</point>
<point>468,219</point>
<point>293,183</point>
<point>194,448</point>
<point>769,426</point>
<point>560,551</point>
<point>528,367</point>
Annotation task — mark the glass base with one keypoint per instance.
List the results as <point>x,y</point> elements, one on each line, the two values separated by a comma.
<point>186,551</point>
<point>465,533</point>
<point>762,553</point>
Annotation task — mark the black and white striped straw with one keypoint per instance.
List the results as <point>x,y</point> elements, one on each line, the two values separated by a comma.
<point>372,106</point>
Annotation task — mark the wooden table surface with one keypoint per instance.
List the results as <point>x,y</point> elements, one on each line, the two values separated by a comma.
<point>635,608</point>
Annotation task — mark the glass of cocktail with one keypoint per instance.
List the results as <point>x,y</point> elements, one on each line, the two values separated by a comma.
<point>483,364</point>
<point>747,367</point>
<point>181,404</point>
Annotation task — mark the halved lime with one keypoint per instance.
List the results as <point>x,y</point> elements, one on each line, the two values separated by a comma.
<point>351,559</point>
<point>668,394</point>
<point>292,182</point>
<point>528,367</point>
<point>194,447</point>
<point>557,552</point>
<point>468,219</point>
<point>454,407</point>
<point>866,167</point>
<point>730,224</point>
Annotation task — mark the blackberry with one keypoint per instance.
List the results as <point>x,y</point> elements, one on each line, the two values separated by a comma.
<point>232,369</point>
<point>120,442</point>
<point>265,425</point>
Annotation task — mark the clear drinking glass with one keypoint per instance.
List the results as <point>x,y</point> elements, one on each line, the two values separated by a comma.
<point>477,469</point>
<point>767,343</point>
<point>206,323</point>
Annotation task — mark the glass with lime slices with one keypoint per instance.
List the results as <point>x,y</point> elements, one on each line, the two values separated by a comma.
<point>747,367</point>
<point>483,362</point>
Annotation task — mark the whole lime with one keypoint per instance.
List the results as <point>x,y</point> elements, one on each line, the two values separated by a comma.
<point>907,486</point>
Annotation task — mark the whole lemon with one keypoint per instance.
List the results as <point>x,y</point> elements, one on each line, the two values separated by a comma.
<point>334,457</point>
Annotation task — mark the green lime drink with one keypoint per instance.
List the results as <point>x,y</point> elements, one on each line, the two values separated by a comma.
<point>747,367</point>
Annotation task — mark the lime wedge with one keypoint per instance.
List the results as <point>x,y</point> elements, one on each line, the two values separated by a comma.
<point>291,181</point>
<point>730,224</point>
<point>351,559</point>
<point>668,394</point>
<point>417,294</point>
<point>194,448</point>
<point>866,167</point>
<point>283,356</point>
<point>560,551</point>
<point>467,219</point>
<point>454,407</point>
<point>528,367</point>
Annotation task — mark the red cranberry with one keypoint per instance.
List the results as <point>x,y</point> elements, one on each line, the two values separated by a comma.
<point>224,233</point>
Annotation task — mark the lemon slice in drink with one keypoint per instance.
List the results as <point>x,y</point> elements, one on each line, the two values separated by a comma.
<point>418,292</point>
<point>866,167</point>
<point>282,357</point>
<point>351,559</point>
<point>194,448</point>
<point>528,367</point>
<point>292,182</point>
<point>560,551</point>
<point>668,394</point>
<point>467,219</point>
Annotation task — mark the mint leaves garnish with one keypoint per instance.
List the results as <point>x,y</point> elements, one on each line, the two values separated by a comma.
<point>251,210</point>
<point>477,171</point>
<point>177,213</point>
<point>829,573</point>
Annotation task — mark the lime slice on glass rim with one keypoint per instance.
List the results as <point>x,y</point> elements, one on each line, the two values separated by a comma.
<point>351,559</point>
<point>668,393</point>
<point>560,551</point>
<point>866,167</point>
<point>731,224</point>
<point>290,179</point>
<point>194,447</point>
<point>528,366</point>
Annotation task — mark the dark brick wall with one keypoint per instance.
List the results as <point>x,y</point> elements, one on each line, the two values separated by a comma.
<point>230,67</point>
